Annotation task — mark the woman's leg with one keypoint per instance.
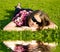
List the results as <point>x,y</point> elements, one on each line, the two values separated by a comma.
<point>17,9</point>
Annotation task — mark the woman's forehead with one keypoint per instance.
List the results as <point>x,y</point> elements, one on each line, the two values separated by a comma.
<point>37,17</point>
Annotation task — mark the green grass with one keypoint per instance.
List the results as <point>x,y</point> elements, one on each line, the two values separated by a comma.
<point>51,7</point>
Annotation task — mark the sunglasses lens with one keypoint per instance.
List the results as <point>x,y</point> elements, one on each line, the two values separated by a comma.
<point>34,20</point>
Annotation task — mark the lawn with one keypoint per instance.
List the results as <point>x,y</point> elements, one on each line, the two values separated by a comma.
<point>51,7</point>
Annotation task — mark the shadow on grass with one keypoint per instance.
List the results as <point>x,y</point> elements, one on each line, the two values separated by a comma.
<point>9,18</point>
<point>3,48</point>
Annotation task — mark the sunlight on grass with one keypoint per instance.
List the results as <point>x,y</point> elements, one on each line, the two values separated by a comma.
<point>51,7</point>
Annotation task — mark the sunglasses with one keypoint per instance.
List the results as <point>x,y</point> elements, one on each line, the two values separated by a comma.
<point>34,20</point>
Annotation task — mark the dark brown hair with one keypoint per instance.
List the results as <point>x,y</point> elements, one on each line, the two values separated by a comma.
<point>44,18</point>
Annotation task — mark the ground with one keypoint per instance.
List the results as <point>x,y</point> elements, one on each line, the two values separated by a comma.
<point>51,7</point>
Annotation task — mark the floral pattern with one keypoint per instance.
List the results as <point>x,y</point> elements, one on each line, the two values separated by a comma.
<point>20,18</point>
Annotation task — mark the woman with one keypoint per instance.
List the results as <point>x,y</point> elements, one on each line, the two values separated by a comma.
<point>27,19</point>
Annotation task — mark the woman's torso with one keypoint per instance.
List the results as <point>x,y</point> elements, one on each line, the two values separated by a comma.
<point>20,18</point>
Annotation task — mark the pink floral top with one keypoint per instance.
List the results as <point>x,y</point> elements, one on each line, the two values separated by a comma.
<point>20,18</point>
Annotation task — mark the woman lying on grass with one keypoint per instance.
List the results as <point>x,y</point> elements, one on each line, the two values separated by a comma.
<point>27,19</point>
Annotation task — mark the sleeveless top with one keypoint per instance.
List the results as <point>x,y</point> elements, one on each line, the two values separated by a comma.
<point>20,18</point>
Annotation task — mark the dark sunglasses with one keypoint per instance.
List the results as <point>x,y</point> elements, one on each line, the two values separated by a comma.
<point>34,20</point>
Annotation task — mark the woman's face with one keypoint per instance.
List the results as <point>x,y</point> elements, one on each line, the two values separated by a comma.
<point>34,24</point>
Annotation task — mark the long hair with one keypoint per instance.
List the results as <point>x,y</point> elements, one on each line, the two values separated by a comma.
<point>44,18</point>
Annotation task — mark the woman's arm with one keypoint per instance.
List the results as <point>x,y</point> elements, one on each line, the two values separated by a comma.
<point>12,27</point>
<point>51,26</point>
